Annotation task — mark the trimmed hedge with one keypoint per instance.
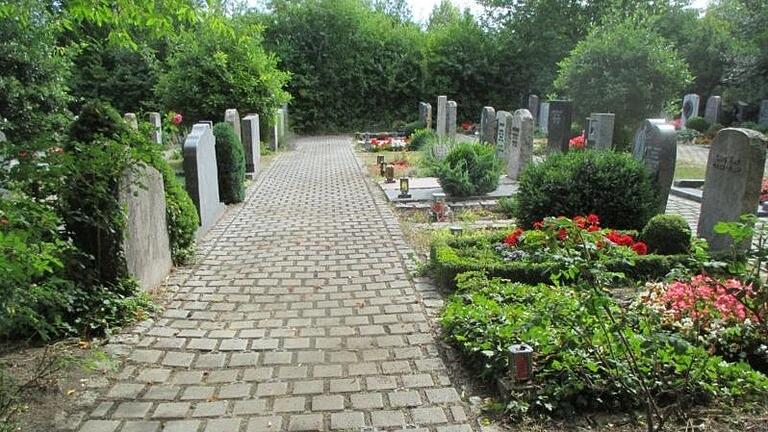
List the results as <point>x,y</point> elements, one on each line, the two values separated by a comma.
<point>230,161</point>
<point>447,263</point>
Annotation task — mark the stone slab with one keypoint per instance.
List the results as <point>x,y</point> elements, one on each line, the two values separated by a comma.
<point>201,175</point>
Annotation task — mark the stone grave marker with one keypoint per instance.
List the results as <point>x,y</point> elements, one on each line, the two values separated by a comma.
<point>741,111</point>
<point>425,114</point>
<point>520,143</point>
<point>503,132</point>
<point>146,244</point>
<point>714,109</point>
<point>600,130</point>
<point>251,143</point>
<point>281,119</point>
<point>655,145</point>
<point>488,125</point>
<point>274,133</point>
<point>690,108</point>
<point>763,119</point>
<point>442,118</point>
<point>132,120</point>
<point>440,150</point>
<point>232,117</point>
<point>157,127</point>
<point>2,137</point>
<point>559,126</point>
<point>732,185</point>
<point>201,175</point>
<point>533,107</point>
<point>543,117</point>
<point>451,118</point>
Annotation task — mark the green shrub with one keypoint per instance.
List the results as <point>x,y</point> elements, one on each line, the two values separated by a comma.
<point>469,169</point>
<point>571,337</point>
<point>230,161</point>
<point>409,128</point>
<point>508,206</point>
<point>611,185</point>
<point>713,129</point>
<point>667,234</point>
<point>699,124</point>
<point>421,137</point>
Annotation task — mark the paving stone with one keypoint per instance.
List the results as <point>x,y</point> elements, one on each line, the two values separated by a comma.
<point>387,418</point>
<point>366,400</point>
<point>171,410</point>
<point>442,395</point>
<point>223,425</point>
<point>345,385</point>
<point>404,399</point>
<point>347,421</point>
<point>306,422</point>
<point>431,415</point>
<point>380,382</point>
<point>154,375</point>
<point>141,426</point>
<point>210,409</point>
<point>102,409</point>
<point>272,389</point>
<point>125,391</point>
<point>181,426</point>
<point>235,391</point>
<point>264,424</point>
<point>100,426</point>
<point>132,410</point>
<point>198,392</point>
<point>244,359</point>
<point>162,392</point>
<point>145,356</point>
<point>328,403</point>
<point>178,359</point>
<point>290,404</point>
<point>253,406</point>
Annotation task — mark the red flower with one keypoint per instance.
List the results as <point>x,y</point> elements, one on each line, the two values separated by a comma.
<point>538,225</point>
<point>466,125</point>
<point>620,239</point>
<point>640,248</point>
<point>177,119</point>
<point>24,154</point>
<point>581,221</point>
<point>593,219</point>
<point>562,234</point>
<point>514,238</point>
<point>579,142</point>
<point>593,228</point>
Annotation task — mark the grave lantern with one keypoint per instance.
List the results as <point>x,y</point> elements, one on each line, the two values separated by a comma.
<point>520,362</point>
<point>404,187</point>
<point>456,230</point>
<point>390,173</point>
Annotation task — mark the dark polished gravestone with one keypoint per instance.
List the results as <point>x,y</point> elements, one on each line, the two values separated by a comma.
<point>503,129</point>
<point>732,185</point>
<point>559,126</point>
<point>201,175</point>
<point>655,145</point>
<point>488,125</point>
<point>690,108</point>
<point>249,126</point>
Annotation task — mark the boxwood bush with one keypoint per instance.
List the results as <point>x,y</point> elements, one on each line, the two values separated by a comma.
<point>469,169</point>
<point>699,124</point>
<point>667,234</point>
<point>612,185</point>
<point>230,161</point>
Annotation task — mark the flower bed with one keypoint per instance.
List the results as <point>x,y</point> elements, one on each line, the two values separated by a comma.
<point>533,256</point>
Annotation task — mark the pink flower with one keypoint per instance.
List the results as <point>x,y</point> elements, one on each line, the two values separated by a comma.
<point>177,119</point>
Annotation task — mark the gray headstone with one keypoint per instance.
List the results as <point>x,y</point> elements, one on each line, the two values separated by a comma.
<point>520,144</point>
<point>450,124</point>
<point>274,133</point>
<point>655,145</point>
<point>442,118</point>
<point>132,121</point>
<point>425,114</point>
<point>713,109</point>
<point>281,119</point>
<point>543,117</point>
<point>2,137</point>
<point>488,125</point>
<point>440,150</point>
<point>763,119</point>
<point>559,126</point>
<point>732,185</point>
<point>201,175</point>
<point>741,111</point>
<point>146,245</point>
<point>251,142</point>
<point>533,107</point>
<point>503,131</point>
<point>690,108</point>
<point>232,117</point>
<point>600,130</point>
<point>157,127</point>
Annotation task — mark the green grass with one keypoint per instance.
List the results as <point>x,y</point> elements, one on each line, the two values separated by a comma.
<point>685,170</point>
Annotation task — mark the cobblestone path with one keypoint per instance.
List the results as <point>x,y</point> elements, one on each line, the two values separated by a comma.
<point>299,316</point>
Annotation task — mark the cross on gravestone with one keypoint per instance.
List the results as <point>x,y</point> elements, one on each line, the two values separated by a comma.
<point>655,145</point>
<point>543,117</point>
<point>201,175</point>
<point>232,117</point>
<point>763,118</point>
<point>533,107</point>
<point>157,127</point>
<point>131,120</point>
<point>251,142</point>
<point>714,109</point>
<point>520,143</point>
<point>732,185</point>
<point>450,124</point>
<point>600,130</point>
<point>559,126</point>
<point>488,125</point>
<point>503,129</point>
<point>690,108</point>
<point>442,118</point>
<point>425,114</point>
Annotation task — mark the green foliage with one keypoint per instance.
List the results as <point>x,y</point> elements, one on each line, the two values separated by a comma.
<point>211,69</point>
<point>469,169</point>
<point>613,68</point>
<point>408,129</point>
<point>230,161</point>
<point>420,137</point>
<point>508,206</point>
<point>33,76</point>
<point>667,234</point>
<point>612,185</point>
<point>699,124</point>
<point>580,361</point>
<point>97,119</point>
